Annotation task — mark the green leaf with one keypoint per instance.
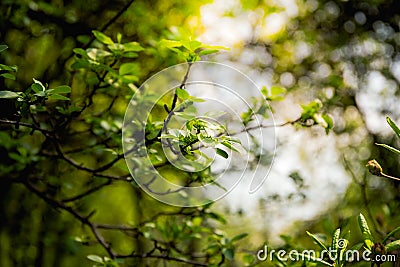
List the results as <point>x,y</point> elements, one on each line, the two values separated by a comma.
<point>222,153</point>
<point>393,126</point>
<point>392,233</point>
<point>37,88</point>
<point>229,145</point>
<point>207,141</point>
<point>63,89</point>
<point>317,241</point>
<point>80,51</point>
<point>335,239</point>
<point>311,109</point>
<point>191,45</point>
<point>128,68</point>
<point>277,90</point>
<point>392,149</point>
<point>215,47</point>
<point>132,47</point>
<point>103,38</point>
<point>42,88</point>
<point>95,258</point>
<point>3,47</point>
<point>8,76</point>
<point>208,52</point>
<point>41,93</point>
<point>97,54</point>
<point>182,94</point>
<point>8,68</point>
<point>229,253</point>
<point>238,237</point>
<point>367,236</point>
<point>329,122</point>
<point>8,94</point>
<point>393,246</point>
<point>170,43</point>
<point>58,97</point>
<point>186,115</point>
<point>248,259</point>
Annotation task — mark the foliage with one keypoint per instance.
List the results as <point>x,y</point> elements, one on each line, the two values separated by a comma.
<point>67,196</point>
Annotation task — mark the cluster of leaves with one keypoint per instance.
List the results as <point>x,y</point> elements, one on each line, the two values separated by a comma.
<point>312,114</point>
<point>190,50</point>
<point>105,68</point>
<point>340,253</point>
<point>103,58</point>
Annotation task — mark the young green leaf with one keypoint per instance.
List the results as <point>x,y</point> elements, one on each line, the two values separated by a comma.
<point>222,153</point>
<point>277,90</point>
<point>40,85</point>
<point>392,233</point>
<point>8,94</point>
<point>132,47</point>
<point>238,237</point>
<point>393,126</point>
<point>103,38</point>
<point>128,68</point>
<point>8,76</point>
<point>207,52</point>
<point>317,241</point>
<point>95,258</point>
<point>392,149</point>
<point>63,89</point>
<point>3,47</point>
<point>367,236</point>
<point>335,239</point>
<point>182,94</point>
<point>8,68</point>
<point>329,122</point>
<point>229,253</point>
<point>170,43</point>
<point>393,246</point>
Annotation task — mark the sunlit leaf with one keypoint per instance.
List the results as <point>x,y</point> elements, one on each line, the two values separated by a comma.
<point>393,126</point>
<point>393,246</point>
<point>8,94</point>
<point>238,237</point>
<point>366,233</point>
<point>132,47</point>
<point>170,43</point>
<point>182,94</point>
<point>103,38</point>
<point>207,52</point>
<point>317,241</point>
<point>95,258</point>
